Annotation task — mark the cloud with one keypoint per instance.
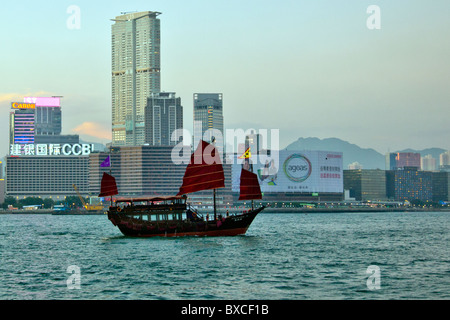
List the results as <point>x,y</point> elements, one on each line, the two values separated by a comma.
<point>93,129</point>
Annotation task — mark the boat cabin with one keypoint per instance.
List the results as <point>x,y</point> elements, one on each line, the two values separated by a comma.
<point>153,209</point>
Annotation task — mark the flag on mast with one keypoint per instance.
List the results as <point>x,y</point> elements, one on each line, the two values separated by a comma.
<point>246,155</point>
<point>106,162</point>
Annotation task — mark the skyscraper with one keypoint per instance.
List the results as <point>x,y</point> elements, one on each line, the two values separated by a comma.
<point>47,115</point>
<point>208,118</point>
<point>21,125</point>
<point>163,115</point>
<point>135,74</point>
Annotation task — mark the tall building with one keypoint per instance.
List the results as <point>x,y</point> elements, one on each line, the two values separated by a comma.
<point>163,115</point>
<point>41,161</point>
<point>444,158</point>
<point>37,121</point>
<point>400,160</point>
<point>47,115</point>
<point>21,126</point>
<point>428,163</point>
<point>136,67</point>
<point>208,118</point>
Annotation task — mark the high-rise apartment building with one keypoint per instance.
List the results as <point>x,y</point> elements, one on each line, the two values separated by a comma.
<point>208,119</point>
<point>444,158</point>
<point>428,163</point>
<point>163,115</point>
<point>136,66</point>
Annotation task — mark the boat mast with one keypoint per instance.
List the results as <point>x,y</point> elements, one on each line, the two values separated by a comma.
<point>213,142</point>
<point>214,198</point>
<point>110,172</point>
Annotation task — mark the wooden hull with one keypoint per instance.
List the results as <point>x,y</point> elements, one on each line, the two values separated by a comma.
<point>231,226</point>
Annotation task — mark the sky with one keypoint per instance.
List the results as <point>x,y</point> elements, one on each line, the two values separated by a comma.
<point>309,68</point>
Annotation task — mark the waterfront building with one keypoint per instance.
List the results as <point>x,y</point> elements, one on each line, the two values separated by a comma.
<point>409,184</point>
<point>150,171</point>
<point>136,67</point>
<point>400,160</point>
<point>441,189</point>
<point>208,119</point>
<point>139,171</point>
<point>163,115</point>
<point>46,176</point>
<point>366,184</point>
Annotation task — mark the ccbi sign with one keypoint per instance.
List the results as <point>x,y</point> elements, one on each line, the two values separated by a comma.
<point>51,149</point>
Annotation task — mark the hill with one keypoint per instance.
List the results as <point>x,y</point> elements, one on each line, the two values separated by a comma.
<point>368,158</point>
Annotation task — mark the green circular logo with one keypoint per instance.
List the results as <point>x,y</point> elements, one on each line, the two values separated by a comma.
<point>297,168</point>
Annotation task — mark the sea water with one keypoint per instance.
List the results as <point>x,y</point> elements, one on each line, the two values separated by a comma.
<point>282,256</point>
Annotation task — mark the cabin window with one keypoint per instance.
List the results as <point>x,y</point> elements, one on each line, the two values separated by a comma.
<point>169,217</point>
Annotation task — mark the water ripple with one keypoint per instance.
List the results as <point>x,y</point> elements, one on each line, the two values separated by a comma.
<point>282,256</point>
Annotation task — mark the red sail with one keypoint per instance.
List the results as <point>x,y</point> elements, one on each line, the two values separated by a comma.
<point>204,171</point>
<point>250,189</point>
<point>108,187</point>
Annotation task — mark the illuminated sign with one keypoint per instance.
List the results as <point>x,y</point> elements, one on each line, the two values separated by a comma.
<point>43,101</point>
<point>51,149</point>
<point>22,105</point>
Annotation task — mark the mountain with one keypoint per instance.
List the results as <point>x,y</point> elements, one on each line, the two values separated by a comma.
<point>368,158</point>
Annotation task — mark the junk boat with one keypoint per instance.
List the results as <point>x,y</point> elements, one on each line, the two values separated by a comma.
<point>173,216</point>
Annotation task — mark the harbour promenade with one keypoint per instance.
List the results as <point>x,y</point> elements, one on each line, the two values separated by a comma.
<point>266,210</point>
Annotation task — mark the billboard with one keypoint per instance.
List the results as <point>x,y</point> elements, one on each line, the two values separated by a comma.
<point>20,105</point>
<point>296,171</point>
<point>43,101</point>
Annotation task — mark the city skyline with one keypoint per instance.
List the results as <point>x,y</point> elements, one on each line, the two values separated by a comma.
<point>311,69</point>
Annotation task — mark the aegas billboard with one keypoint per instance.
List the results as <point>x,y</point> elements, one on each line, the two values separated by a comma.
<point>299,171</point>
